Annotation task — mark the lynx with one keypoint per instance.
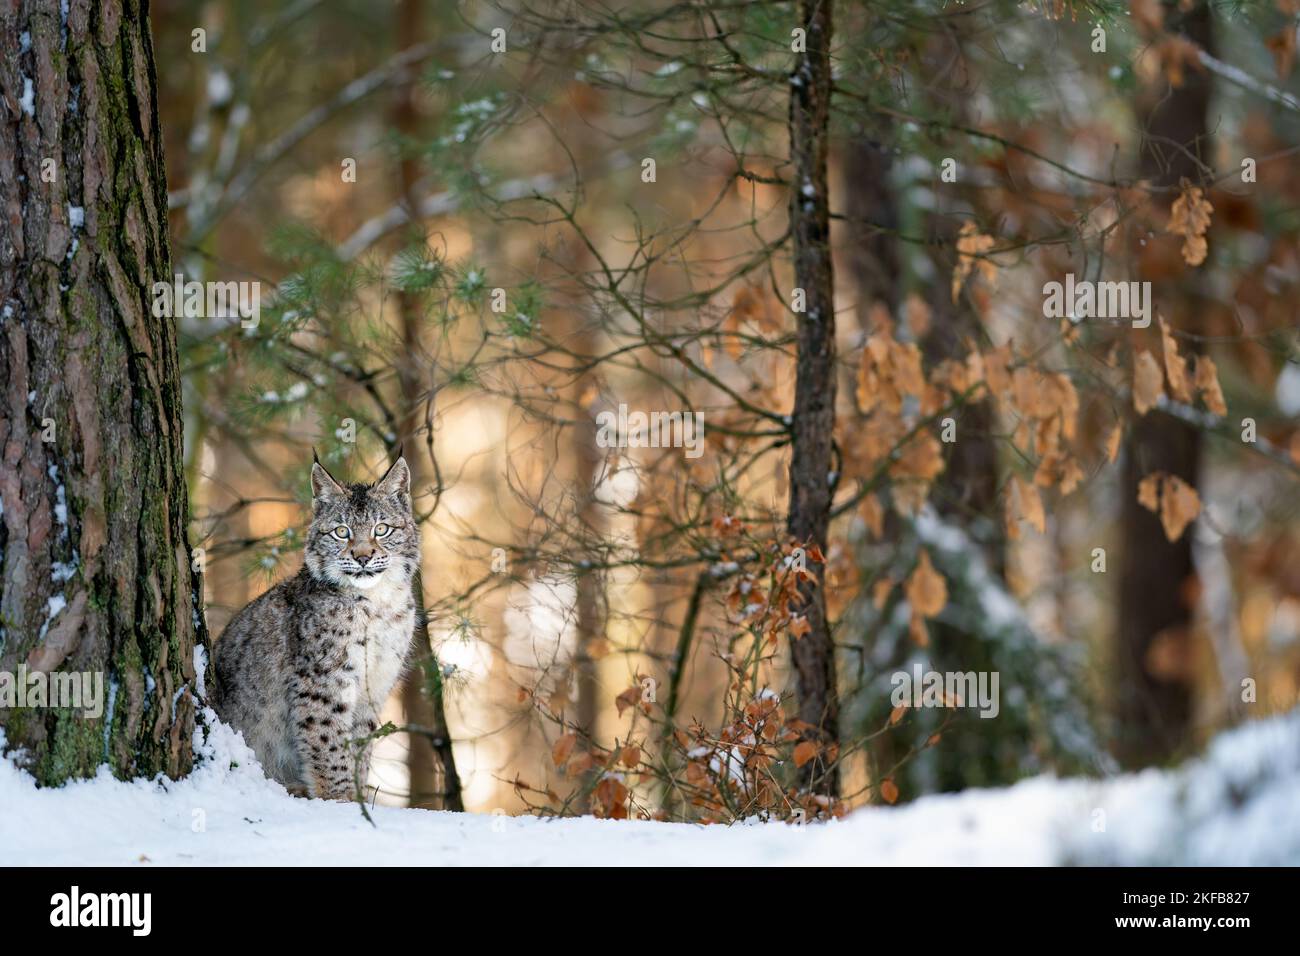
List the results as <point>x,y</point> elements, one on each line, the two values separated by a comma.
<point>304,670</point>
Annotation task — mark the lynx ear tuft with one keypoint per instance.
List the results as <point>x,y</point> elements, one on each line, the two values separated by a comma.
<point>397,480</point>
<point>323,484</point>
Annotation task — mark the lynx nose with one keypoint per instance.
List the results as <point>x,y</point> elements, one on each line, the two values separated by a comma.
<point>362,558</point>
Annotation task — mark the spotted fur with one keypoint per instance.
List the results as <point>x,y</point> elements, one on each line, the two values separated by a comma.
<point>305,669</point>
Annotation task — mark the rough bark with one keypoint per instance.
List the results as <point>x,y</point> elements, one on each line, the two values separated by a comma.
<point>813,419</point>
<point>96,566</point>
<point>1154,711</point>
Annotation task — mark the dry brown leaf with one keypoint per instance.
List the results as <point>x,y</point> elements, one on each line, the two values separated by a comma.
<point>563,749</point>
<point>1206,378</point>
<point>897,713</point>
<point>920,458</point>
<point>970,244</point>
<point>630,755</point>
<point>1028,504</point>
<point>1179,506</point>
<point>1149,491</point>
<point>889,791</point>
<point>1175,365</point>
<point>925,589</point>
<point>1189,217</point>
<point>629,698</point>
<point>1148,382</point>
<point>804,751</point>
<point>579,764</point>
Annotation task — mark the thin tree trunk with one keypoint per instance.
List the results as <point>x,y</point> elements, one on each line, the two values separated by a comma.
<point>1154,711</point>
<point>813,423</point>
<point>96,565</point>
<point>426,755</point>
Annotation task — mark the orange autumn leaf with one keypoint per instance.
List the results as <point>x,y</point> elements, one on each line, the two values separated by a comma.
<point>630,755</point>
<point>970,245</point>
<point>995,366</point>
<point>925,589</point>
<point>1175,365</point>
<point>1189,217</point>
<point>920,458</point>
<point>804,751</point>
<point>1027,504</point>
<point>563,749</point>
<point>1205,377</point>
<point>1148,382</point>
<point>628,698</point>
<point>579,764</point>
<point>1179,506</point>
<point>897,714</point>
<point>1149,491</point>
<point>889,791</point>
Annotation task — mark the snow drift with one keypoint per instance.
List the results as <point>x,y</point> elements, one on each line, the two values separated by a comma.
<point>1239,804</point>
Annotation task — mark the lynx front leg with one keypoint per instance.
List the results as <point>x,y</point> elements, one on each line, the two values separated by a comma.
<point>323,725</point>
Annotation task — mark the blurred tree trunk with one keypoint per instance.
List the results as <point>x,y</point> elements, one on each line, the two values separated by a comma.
<point>813,420</point>
<point>1154,710</point>
<point>96,565</point>
<point>422,690</point>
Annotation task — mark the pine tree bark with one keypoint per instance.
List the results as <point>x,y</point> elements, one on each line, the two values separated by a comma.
<point>1154,711</point>
<point>96,565</point>
<point>813,419</point>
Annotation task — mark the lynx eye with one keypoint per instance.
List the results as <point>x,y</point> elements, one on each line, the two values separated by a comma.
<point>341,532</point>
<point>381,530</point>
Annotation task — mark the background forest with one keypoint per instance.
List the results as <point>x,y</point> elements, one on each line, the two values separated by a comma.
<point>479,226</point>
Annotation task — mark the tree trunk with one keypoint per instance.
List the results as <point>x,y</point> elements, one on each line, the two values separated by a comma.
<point>813,424</point>
<point>96,565</point>
<point>422,690</point>
<point>1154,711</point>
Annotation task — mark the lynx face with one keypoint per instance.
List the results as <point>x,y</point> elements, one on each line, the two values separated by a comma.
<point>363,535</point>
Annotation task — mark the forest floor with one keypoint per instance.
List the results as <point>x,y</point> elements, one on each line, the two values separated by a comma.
<point>1238,804</point>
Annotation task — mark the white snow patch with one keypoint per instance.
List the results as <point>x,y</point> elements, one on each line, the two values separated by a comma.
<point>28,100</point>
<point>1234,806</point>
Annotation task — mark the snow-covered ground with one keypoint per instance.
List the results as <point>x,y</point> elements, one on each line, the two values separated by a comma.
<point>1238,805</point>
